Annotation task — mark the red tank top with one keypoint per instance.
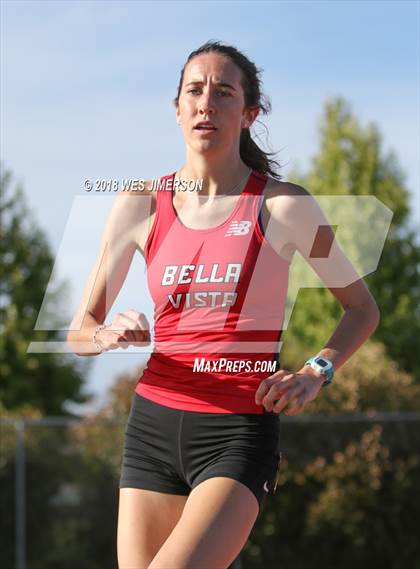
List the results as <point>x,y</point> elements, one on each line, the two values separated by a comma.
<point>219,296</point>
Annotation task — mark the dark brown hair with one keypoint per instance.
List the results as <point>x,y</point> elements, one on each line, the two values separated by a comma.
<point>249,151</point>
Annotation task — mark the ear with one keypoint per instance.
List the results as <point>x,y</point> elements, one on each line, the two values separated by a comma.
<point>249,116</point>
<point>177,115</point>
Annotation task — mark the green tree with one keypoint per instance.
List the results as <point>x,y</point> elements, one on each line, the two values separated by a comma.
<point>41,381</point>
<point>351,162</point>
<point>370,381</point>
<point>352,507</point>
<point>72,475</point>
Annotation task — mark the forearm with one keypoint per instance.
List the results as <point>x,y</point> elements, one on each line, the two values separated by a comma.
<point>80,341</point>
<point>354,328</point>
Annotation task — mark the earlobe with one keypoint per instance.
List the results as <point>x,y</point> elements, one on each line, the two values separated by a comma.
<point>247,122</point>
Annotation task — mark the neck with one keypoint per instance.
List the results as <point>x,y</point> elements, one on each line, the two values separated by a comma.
<point>220,176</point>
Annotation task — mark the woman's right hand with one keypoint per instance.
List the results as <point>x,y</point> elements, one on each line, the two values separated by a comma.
<point>127,328</point>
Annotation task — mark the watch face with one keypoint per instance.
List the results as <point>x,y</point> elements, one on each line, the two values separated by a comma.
<point>322,362</point>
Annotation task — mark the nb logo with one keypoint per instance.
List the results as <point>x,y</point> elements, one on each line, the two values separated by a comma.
<point>238,228</point>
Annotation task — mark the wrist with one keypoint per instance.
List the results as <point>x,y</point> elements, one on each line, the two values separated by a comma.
<point>321,367</point>
<point>308,370</point>
<point>311,371</point>
<point>95,339</point>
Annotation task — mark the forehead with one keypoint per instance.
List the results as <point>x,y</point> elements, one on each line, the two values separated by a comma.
<point>214,65</point>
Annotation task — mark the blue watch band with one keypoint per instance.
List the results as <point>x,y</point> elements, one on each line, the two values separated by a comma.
<point>328,372</point>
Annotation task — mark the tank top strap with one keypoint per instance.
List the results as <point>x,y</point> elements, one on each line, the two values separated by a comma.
<point>164,206</point>
<point>256,183</point>
<point>251,199</point>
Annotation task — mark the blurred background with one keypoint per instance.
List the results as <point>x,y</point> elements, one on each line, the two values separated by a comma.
<point>86,93</point>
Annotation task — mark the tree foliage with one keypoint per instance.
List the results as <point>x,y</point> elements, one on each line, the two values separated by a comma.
<point>43,381</point>
<point>350,161</point>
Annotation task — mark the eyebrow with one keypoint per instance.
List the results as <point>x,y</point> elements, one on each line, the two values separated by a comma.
<point>219,83</point>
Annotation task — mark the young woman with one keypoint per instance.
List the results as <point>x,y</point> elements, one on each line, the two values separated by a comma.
<point>201,443</point>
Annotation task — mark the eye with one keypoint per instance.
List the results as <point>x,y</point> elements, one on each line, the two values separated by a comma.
<point>219,91</point>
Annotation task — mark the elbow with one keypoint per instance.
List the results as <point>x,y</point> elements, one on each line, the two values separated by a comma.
<point>377,316</point>
<point>71,341</point>
<point>373,313</point>
<point>369,312</point>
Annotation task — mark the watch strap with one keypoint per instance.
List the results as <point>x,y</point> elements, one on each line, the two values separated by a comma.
<point>329,374</point>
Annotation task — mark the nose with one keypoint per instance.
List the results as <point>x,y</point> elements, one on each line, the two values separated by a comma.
<point>206,105</point>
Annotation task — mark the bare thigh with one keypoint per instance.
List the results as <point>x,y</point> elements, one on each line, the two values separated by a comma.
<point>145,520</point>
<point>217,519</point>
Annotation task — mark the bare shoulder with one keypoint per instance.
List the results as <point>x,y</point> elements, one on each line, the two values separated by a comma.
<point>139,202</point>
<point>284,199</point>
<point>277,188</point>
<point>132,212</point>
<point>299,214</point>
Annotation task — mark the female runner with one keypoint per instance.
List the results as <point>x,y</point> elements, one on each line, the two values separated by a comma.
<point>201,443</point>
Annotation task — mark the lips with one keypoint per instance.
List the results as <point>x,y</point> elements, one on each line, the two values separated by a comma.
<point>205,126</point>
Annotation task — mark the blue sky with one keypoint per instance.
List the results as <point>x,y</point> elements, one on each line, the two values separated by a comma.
<point>86,90</point>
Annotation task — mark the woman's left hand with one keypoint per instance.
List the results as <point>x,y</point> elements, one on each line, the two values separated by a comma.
<point>277,390</point>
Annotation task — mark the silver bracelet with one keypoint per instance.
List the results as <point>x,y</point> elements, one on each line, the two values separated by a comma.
<point>95,341</point>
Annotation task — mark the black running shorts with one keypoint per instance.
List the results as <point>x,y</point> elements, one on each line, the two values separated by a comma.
<point>172,451</point>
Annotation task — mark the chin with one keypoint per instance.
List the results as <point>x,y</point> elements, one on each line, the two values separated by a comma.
<point>204,146</point>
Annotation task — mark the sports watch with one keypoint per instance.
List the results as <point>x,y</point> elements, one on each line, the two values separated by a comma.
<point>322,365</point>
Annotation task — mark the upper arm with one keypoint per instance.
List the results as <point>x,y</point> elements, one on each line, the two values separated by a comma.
<point>310,233</point>
<point>119,241</point>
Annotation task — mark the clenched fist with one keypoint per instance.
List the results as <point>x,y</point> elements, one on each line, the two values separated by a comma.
<point>127,328</point>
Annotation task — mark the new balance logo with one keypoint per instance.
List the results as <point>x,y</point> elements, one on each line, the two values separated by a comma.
<point>238,228</point>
